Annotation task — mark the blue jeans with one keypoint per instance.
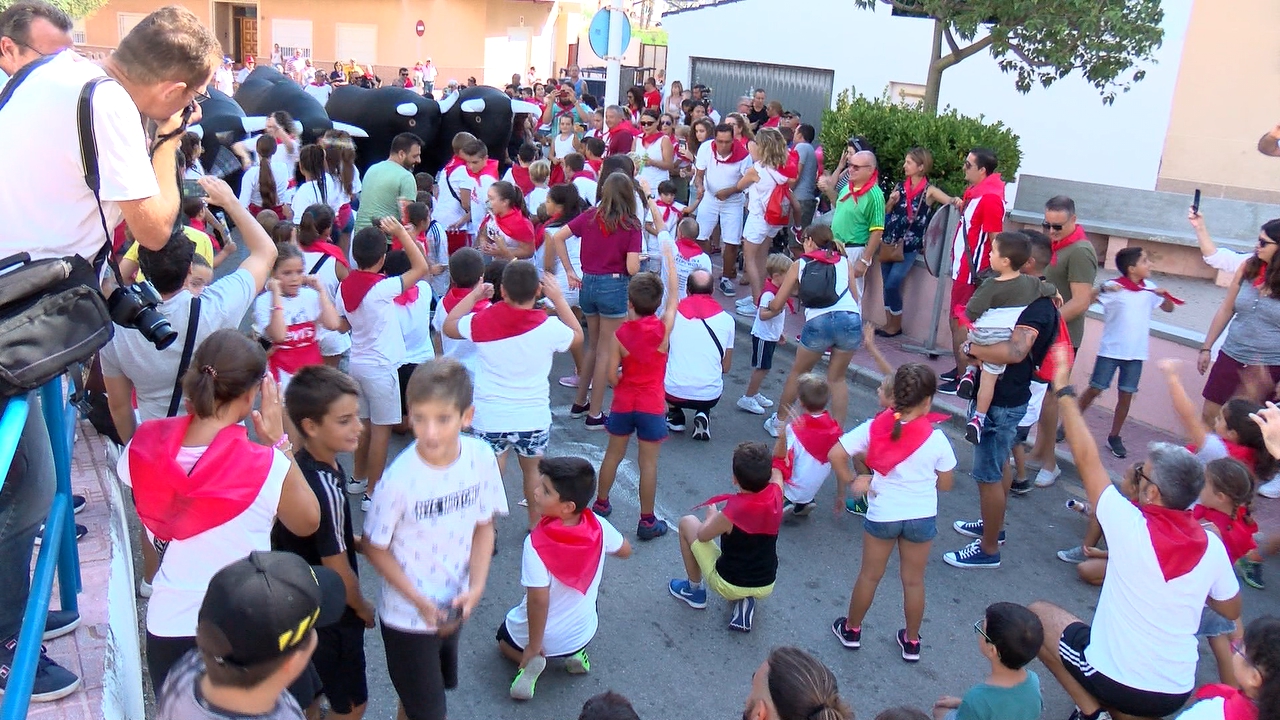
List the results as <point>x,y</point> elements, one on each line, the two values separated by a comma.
<point>919,530</point>
<point>893,275</point>
<point>839,329</point>
<point>24,505</point>
<point>604,295</point>
<point>996,442</point>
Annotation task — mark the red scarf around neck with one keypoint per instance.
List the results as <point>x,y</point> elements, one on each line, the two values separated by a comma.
<point>175,505</point>
<point>990,185</point>
<point>500,321</point>
<point>911,193</point>
<point>699,307</point>
<point>356,286</point>
<point>1124,282</point>
<point>855,193</point>
<point>829,257</point>
<point>1076,236</point>
<point>884,453</point>
<point>324,247</point>
<point>648,139</point>
<point>754,513</point>
<point>570,552</point>
<point>736,155</point>
<point>667,209</point>
<point>1235,704</point>
<point>1177,537</point>
<point>456,295</point>
<point>453,164</point>
<point>520,174</point>
<point>688,249</point>
<point>771,286</point>
<point>514,225</point>
<point>817,434</point>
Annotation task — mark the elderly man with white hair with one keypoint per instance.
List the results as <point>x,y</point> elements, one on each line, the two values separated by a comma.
<point>1138,659</point>
<point>858,223</point>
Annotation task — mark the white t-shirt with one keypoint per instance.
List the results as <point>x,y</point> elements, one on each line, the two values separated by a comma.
<point>685,267</point>
<point>694,363</point>
<point>448,209</point>
<point>846,303</point>
<point>251,192</point>
<point>179,586</point>
<point>759,192</point>
<point>586,188</point>
<point>308,194</point>
<point>437,250</point>
<point>536,198</point>
<point>1207,709</point>
<point>342,197</point>
<point>320,92</point>
<point>571,616</point>
<point>464,351</point>
<point>1032,416</point>
<point>48,209</point>
<point>1143,632</point>
<point>415,326</point>
<point>573,246</point>
<point>718,173</point>
<point>770,329</point>
<point>512,393</point>
<point>242,74</point>
<point>910,490</point>
<point>479,198</point>
<point>376,341</point>
<point>332,342</point>
<point>301,308</point>
<point>224,80</point>
<point>1127,318</point>
<point>426,516</point>
<point>807,472</point>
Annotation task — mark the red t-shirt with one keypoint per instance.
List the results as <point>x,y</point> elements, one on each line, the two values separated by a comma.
<point>604,253</point>
<point>653,99</point>
<point>644,369</point>
<point>621,141</point>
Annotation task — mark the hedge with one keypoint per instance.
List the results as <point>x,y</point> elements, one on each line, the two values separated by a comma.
<point>893,129</point>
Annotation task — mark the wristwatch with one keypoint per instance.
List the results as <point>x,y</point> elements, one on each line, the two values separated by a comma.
<point>965,347</point>
<point>865,261</point>
<point>1066,391</point>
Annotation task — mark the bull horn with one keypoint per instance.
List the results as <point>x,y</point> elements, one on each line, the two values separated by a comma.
<point>447,103</point>
<point>297,127</point>
<point>407,109</point>
<point>254,123</point>
<point>522,106</point>
<point>354,131</point>
<point>197,131</point>
<point>474,105</point>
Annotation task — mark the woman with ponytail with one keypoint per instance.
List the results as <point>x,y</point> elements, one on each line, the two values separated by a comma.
<point>910,461</point>
<point>320,187</point>
<point>340,159</point>
<point>1257,670</point>
<point>794,685</point>
<point>263,185</point>
<point>207,494</point>
<point>506,232</point>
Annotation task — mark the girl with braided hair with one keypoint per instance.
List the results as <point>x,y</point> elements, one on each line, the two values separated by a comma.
<point>794,685</point>
<point>910,461</point>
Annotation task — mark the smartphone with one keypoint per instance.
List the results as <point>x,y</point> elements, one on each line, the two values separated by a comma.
<point>1195,202</point>
<point>191,188</point>
<point>453,614</point>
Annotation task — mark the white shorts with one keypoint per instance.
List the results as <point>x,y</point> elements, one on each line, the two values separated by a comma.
<point>855,256</point>
<point>1032,415</point>
<point>757,230</point>
<point>725,213</point>
<point>379,394</point>
<point>332,342</point>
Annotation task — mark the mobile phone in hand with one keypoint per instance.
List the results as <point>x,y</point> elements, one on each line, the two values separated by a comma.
<point>1195,202</point>
<point>191,188</point>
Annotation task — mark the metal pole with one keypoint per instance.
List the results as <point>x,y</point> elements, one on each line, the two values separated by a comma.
<point>59,418</point>
<point>613,60</point>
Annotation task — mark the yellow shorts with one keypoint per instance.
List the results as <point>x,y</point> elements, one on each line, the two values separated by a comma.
<point>706,554</point>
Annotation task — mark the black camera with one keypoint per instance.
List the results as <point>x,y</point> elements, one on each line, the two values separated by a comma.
<point>134,307</point>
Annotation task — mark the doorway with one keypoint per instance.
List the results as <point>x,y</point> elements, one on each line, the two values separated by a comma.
<point>236,25</point>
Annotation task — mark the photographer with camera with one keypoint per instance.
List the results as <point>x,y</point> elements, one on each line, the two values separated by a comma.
<point>562,99</point>
<point>49,211</point>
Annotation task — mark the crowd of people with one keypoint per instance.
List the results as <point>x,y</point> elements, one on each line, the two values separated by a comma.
<point>386,301</point>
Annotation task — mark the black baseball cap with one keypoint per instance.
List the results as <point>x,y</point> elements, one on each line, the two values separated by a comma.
<point>263,606</point>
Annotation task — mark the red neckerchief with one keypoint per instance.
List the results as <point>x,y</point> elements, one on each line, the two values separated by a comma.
<point>851,192</point>
<point>408,297</point>
<point>990,185</point>
<point>1177,537</point>
<point>688,249</point>
<point>772,122</point>
<point>356,286</point>
<point>175,505</point>
<point>570,552</point>
<point>1261,278</point>
<point>1235,706</point>
<point>500,321</point>
<point>325,247</point>
<point>817,434</point>
<point>595,167</point>
<point>667,209</point>
<point>514,225</point>
<point>743,143</point>
<point>453,164</point>
<point>754,513</point>
<point>1124,282</point>
<point>540,229</point>
<point>910,194</point>
<point>1076,236</point>
<point>699,307</point>
<point>823,256</point>
<point>736,155</point>
<point>520,174</point>
<point>771,286</point>
<point>1236,530</point>
<point>1244,454</point>
<point>197,224</point>
<point>883,452</point>
<point>648,139</point>
<point>455,296</point>
<point>490,168</point>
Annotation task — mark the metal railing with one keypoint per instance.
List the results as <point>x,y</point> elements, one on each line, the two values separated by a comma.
<point>58,553</point>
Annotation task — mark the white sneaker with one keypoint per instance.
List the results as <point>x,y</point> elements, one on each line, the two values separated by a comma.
<point>745,310</point>
<point>772,426</point>
<point>1270,488</point>
<point>764,401</point>
<point>366,504</point>
<point>357,487</point>
<point>144,588</point>
<point>1045,478</point>
<point>750,405</point>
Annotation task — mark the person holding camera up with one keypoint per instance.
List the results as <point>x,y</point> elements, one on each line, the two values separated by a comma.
<point>159,71</point>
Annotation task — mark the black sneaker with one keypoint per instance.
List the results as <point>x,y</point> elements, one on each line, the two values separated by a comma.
<point>81,532</point>
<point>910,648</point>
<point>949,387</point>
<point>52,680</point>
<point>966,387</point>
<point>675,420</point>
<point>576,411</point>
<point>701,427</point>
<point>951,375</point>
<point>651,530</point>
<point>60,622</point>
<point>77,503</point>
<point>1117,446</point>
<point>851,639</point>
<point>973,430</point>
<point>1022,487</point>
<point>597,422</point>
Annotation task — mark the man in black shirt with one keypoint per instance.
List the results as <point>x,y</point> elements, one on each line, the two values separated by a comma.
<point>1033,335</point>
<point>757,115</point>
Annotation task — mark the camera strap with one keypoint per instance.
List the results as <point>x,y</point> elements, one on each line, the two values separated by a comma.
<point>89,156</point>
<point>188,348</point>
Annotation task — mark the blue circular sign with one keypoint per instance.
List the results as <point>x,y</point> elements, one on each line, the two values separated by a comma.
<point>598,34</point>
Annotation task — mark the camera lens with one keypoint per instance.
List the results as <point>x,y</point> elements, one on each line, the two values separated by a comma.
<point>129,308</point>
<point>155,327</point>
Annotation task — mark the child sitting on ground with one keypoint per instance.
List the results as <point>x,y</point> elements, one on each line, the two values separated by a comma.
<point>560,570</point>
<point>805,445</point>
<point>745,564</point>
<point>466,269</point>
<point>766,335</point>
<point>1008,637</point>
<point>993,310</point>
<point>689,255</point>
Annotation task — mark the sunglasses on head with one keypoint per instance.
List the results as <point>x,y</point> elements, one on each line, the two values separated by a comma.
<point>1056,227</point>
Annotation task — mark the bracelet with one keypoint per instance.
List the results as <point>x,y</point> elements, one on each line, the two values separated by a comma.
<point>284,440</point>
<point>865,261</point>
<point>276,307</point>
<point>1066,391</point>
<point>1205,350</point>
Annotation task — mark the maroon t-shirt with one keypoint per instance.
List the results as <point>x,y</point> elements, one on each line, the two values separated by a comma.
<point>604,253</point>
<point>621,140</point>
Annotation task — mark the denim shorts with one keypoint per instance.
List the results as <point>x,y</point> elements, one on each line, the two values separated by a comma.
<point>919,530</point>
<point>604,295</point>
<point>526,443</point>
<point>1105,368</point>
<point>648,427</point>
<point>1212,624</point>
<point>839,329</point>
<point>996,442</point>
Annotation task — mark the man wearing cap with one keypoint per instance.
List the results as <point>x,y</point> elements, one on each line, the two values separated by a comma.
<point>224,79</point>
<point>244,71</point>
<point>255,637</point>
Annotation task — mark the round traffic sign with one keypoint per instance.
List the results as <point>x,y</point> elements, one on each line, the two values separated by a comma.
<point>421,28</point>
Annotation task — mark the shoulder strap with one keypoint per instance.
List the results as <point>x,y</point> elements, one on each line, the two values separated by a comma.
<point>714,338</point>
<point>188,348</point>
<point>319,264</point>
<point>21,75</point>
<point>89,157</point>
<point>452,192</point>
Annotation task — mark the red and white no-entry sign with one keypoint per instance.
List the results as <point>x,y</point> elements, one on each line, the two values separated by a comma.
<point>420,28</point>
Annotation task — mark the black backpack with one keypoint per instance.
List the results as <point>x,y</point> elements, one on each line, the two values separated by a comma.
<point>818,284</point>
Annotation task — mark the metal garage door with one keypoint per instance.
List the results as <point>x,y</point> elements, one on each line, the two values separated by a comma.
<point>805,90</point>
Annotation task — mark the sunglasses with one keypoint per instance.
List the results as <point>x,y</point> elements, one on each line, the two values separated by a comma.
<point>647,124</point>
<point>1263,242</point>
<point>967,165</point>
<point>977,627</point>
<point>1139,475</point>
<point>666,123</point>
<point>1056,227</point>
<point>858,167</point>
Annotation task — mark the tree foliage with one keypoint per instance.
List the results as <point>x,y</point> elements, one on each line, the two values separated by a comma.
<point>75,8</point>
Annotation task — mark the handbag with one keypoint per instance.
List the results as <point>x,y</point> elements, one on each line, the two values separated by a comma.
<point>890,252</point>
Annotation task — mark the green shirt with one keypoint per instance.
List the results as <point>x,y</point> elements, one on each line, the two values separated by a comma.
<point>856,218</point>
<point>380,192</point>
<point>1077,263</point>
<point>989,702</point>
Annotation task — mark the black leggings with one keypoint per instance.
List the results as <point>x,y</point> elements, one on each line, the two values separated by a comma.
<point>698,406</point>
<point>422,666</point>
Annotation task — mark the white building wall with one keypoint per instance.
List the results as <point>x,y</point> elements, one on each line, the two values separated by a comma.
<point>1065,129</point>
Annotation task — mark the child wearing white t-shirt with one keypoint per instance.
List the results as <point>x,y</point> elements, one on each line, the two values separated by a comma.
<point>766,334</point>
<point>560,570</point>
<point>413,315</point>
<point>289,314</point>
<point>466,270</point>
<point>430,535</point>
<point>690,255</point>
<point>805,446</point>
<point>769,153</point>
<point>655,226</point>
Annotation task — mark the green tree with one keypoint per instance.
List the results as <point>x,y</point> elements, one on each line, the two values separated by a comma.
<point>1040,41</point>
<point>75,8</point>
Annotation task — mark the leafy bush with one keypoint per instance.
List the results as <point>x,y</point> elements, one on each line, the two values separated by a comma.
<point>893,129</point>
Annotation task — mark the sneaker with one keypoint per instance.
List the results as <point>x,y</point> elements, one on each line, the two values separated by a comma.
<point>727,287</point>
<point>748,310</point>
<point>144,589</point>
<point>744,611</point>
<point>1062,434</point>
<point>357,487</point>
<point>951,375</point>
<point>52,681</point>
<point>675,420</point>
<point>576,411</point>
<point>772,425</point>
<point>366,503</point>
<point>973,529</point>
<point>1117,446</point>
<point>848,638</point>
<point>1250,571</point>
<point>60,622</point>
<point>78,502</point>
<point>764,401</point>
<point>702,427</point>
<point>81,532</point>
<point>948,387</point>
<point>1270,488</point>
<point>569,381</point>
<point>1077,714</point>
<point>966,386</point>
<point>910,648</point>
<point>527,678</point>
<point>684,590</point>
<point>578,663</point>
<point>1074,555</point>
<point>796,509</point>
<point>971,556</point>
<point>744,301</point>
<point>602,508</point>
<point>973,430</point>
<point>1045,478</point>
<point>1022,487</point>
<point>597,422</point>
<point>856,506</point>
<point>652,530</point>
<point>750,404</point>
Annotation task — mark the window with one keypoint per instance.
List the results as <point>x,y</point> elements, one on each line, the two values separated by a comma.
<point>910,94</point>
<point>125,22</point>
<point>358,42</point>
<point>77,32</point>
<point>291,36</point>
